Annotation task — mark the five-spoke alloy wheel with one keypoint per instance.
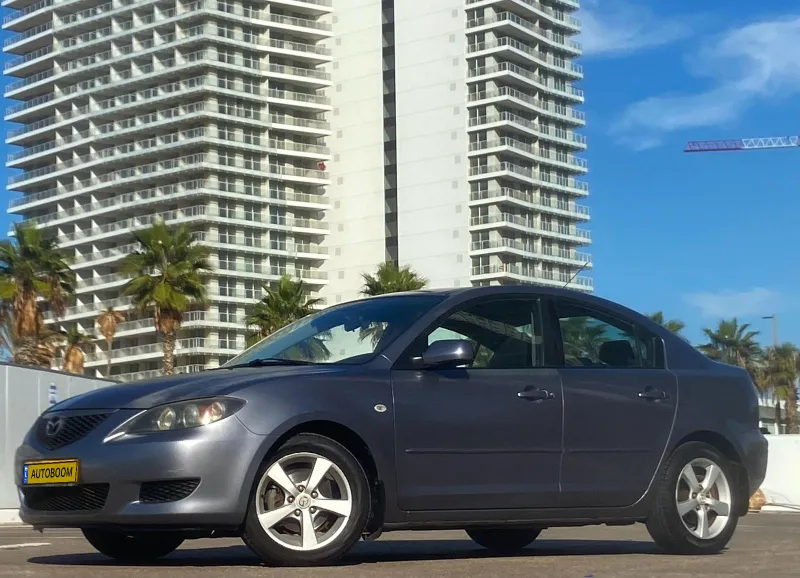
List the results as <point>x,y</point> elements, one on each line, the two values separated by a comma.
<point>309,504</point>
<point>695,508</point>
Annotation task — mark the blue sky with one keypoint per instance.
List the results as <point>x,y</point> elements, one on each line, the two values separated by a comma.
<point>704,235</point>
<point>698,236</point>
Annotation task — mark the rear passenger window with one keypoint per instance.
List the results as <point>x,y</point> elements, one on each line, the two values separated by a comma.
<point>592,338</point>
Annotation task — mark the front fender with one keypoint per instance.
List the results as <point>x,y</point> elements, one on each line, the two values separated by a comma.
<point>345,400</point>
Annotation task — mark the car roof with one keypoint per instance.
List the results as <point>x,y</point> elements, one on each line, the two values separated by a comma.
<point>489,290</point>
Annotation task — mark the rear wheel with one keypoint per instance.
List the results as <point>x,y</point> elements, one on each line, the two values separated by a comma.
<point>309,505</point>
<point>504,541</point>
<point>133,547</point>
<point>695,508</point>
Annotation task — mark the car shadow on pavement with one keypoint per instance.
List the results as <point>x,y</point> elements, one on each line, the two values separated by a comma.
<point>373,552</point>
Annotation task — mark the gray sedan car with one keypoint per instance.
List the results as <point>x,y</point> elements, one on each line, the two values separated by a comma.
<point>498,410</point>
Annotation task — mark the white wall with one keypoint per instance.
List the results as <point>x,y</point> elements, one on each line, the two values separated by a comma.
<point>357,238</point>
<point>433,217</point>
<point>781,487</point>
<point>24,395</point>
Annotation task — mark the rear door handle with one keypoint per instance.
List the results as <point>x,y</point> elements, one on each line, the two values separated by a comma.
<point>535,394</point>
<point>651,394</point>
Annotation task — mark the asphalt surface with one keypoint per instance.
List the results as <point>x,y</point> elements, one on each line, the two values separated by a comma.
<point>764,545</point>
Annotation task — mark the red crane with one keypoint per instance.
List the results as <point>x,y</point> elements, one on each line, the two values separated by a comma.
<point>742,144</point>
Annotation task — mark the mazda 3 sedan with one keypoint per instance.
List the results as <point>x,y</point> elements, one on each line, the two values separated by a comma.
<point>501,411</point>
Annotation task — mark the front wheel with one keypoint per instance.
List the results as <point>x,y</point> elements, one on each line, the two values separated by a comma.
<point>134,547</point>
<point>309,504</point>
<point>695,508</point>
<point>504,541</point>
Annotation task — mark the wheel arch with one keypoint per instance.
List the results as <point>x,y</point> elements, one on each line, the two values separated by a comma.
<point>357,445</point>
<point>727,449</point>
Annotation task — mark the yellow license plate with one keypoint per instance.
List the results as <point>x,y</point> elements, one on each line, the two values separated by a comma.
<point>50,472</point>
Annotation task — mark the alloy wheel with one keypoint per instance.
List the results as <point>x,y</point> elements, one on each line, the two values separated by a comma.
<point>703,496</point>
<point>303,501</point>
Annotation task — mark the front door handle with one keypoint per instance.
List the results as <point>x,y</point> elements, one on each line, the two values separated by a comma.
<point>535,394</point>
<point>651,394</point>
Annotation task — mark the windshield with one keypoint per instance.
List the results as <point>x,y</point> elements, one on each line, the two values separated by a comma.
<point>348,333</point>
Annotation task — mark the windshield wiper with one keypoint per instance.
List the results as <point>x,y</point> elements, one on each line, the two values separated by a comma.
<point>269,361</point>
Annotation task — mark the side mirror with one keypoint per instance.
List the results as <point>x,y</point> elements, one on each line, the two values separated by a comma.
<point>448,353</point>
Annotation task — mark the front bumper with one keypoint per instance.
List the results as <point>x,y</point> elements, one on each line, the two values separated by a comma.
<point>215,464</point>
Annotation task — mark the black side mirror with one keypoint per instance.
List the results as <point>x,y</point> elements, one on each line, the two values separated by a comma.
<point>448,353</point>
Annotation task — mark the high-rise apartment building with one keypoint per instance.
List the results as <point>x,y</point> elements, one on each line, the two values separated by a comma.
<point>455,144</point>
<point>211,113</point>
<point>316,138</point>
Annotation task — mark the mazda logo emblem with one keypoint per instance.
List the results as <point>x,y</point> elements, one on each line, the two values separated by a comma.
<point>54,425</point>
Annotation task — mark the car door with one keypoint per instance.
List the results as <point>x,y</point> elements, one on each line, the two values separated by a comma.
<point>619,405</point>
<point>483,436</point>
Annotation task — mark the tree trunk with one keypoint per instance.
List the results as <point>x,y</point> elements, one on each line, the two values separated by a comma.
<point>791,412</point>
<point>778,416</point>
<point>169,352</point>
<point>108,366</point>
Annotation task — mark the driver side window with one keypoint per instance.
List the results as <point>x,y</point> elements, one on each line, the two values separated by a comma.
<point>505,333</point>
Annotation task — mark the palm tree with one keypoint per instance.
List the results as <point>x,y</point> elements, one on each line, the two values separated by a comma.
<point>35,350</point>
<point>389,278</point>
<point>32,266</point>
<point>581,337</point>
<point>74,356</point>
<point>732,343</point>
<point>285,302</point>
<point>108,321</point>
<point>782,370</point>
<point>673,325</point>
<point>170,273</point>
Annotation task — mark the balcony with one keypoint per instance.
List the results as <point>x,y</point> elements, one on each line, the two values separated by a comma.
<point>173,192</point>
<point>531,152</point>
<point>529,275</point>
<point>534,226</point>
<point>162,168</point>
<point>540,10</point>
<point>555,182</point>
<point>533,251</point>
<point>190,346</point>
<point>526,77</point>
<point>506,44</point>
<point>514,22</point>
<point>523,101</point>
<point>530,200</point>
<point>30,16</point>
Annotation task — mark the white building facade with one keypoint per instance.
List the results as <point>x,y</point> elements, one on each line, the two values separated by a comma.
<point>210,113</point>
<point>316,138</point>
<point>456,145</point>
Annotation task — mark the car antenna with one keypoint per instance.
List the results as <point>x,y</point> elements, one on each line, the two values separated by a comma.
<point>581,268</point>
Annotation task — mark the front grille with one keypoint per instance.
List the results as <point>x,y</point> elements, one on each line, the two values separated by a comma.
<point>71,430</point>
<point>168,491</point>
<point>66,498</point>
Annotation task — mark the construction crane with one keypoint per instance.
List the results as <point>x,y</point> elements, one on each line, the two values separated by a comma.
<point>742,144</point>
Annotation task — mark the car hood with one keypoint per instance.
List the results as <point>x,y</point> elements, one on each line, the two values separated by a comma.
<point>150,393</point>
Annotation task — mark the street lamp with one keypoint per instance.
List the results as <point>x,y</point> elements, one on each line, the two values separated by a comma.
<point>774,318</point>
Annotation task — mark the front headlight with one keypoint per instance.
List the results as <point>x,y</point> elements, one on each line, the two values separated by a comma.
<point>184,414</point>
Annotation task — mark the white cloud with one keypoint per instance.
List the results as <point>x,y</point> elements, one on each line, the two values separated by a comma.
<point>744,66</point>
<point>727,304</point>
<point>617,27</point>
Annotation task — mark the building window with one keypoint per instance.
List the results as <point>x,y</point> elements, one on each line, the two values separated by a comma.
<point>227,340</point>
<point>227,260</point>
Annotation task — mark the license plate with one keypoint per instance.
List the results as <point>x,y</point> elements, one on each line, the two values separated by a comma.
<point>50,472</point>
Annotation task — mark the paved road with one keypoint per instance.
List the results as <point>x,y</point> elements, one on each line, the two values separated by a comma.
<point>765,545</point>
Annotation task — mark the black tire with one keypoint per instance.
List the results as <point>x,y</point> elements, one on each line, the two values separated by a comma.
<point>276,554</point>
<point>506,540</point>
<point>664,522</point>
<point>133,547</point>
